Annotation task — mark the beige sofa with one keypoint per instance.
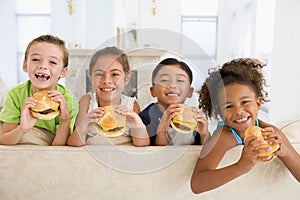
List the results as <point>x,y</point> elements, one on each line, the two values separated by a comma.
<point>127,172</point>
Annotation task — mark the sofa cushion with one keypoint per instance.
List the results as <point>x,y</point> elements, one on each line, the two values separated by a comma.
<point>291,127</point>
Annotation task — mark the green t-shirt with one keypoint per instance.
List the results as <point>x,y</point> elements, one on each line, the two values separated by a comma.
<point>16,97</point>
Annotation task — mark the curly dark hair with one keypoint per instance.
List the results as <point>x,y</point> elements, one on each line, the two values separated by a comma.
<point>246,71</point>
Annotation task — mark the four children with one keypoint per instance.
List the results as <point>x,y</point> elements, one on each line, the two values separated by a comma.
<point>234,93</point>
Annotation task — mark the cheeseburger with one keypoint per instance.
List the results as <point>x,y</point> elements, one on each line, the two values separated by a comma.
<point>45,108</point>
<point>256,131</point>
<point>184,121</point>
<point>111,124</point>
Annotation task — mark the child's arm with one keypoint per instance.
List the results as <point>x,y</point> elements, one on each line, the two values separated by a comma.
<point>287,153</point>
<point>63,131</point>
<point>202,127</point>
<point>83,121</point>
<point>206,176</point>
<point>135,124</point>
<point>77,138</point>
<point>170,112</point>
<point>13,133</point>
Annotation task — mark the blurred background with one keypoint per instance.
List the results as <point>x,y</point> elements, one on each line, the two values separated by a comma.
<point>204,33</point>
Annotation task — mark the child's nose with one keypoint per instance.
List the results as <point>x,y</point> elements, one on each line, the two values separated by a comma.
<point>239,110</point>
<point>43,66</point>
<point>106,78</point>
<point>172,84</point>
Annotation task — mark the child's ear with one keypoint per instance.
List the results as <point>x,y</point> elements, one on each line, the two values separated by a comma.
<point>259,102</point>
<point>25,69</point>
<point>152,91</point>
<point>127,78</point>
<point>190,93</point>
<point>63,72</point>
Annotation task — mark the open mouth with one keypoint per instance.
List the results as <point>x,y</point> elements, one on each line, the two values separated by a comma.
<point>244,119</point>
<point>172,94</point>
<point>107,89</point>
<point>42,77</point>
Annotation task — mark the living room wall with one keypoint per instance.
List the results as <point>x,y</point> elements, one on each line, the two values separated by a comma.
<point>283,62</point>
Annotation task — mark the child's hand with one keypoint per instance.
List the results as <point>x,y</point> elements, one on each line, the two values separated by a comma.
<point>133,120</point>
<point>89,118</point>
<point>202,127</point>
<point>27,121</point>
<point>249,157</point>
<point>58,97</point>
<point>169,113</point>
<point>274,138</point>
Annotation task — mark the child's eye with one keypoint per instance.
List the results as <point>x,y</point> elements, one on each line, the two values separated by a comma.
<point>164,80</point>
<point>52,62</point>
<point>35,59</point>
<point>228,107</point>
<point>115,74</point>
<point>98,74</point>
<point>245,102</point>
<point>181,80</point>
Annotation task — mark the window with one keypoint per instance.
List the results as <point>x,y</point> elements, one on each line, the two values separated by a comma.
<point>203,31</point>
<point>199,24</point>
<point>33,19</point>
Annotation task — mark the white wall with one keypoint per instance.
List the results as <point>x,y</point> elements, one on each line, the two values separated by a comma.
<point>71,28</point>
<point>100,22</point>
<point>168,17</point>
<point>8,43</point>
<point>89,26</point>
<point>285,72</point>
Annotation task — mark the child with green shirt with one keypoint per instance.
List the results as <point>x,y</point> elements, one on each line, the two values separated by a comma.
<point>45,62</point>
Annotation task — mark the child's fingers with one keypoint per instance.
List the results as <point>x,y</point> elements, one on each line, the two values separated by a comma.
<point>249,142</point>
<point>96,113</point>
<point>268,129</point>
<point>30,103</point>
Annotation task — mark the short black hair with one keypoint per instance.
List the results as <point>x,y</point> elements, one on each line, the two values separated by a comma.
<point>172,61</point>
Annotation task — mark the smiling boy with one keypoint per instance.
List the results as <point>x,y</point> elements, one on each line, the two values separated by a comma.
<point>171,85</point>
<point>45,62</point>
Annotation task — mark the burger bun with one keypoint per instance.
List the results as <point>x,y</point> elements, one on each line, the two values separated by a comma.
<point>256,131</point>
<point>46,108</point>
<point>111,124</point>
<point>184,120</point>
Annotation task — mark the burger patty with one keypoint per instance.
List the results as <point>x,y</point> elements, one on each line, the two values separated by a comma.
<point>115,129</point>
<point>111,130</point>
<point>182,127</point>
<point>45,111</point>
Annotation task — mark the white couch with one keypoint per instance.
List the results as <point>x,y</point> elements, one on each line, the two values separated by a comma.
<point>127,172</point>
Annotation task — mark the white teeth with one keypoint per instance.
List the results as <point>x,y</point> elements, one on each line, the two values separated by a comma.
<point>107,89</point>
<point>241,120</point>
<point>42,76</point>
<point>172,95</point>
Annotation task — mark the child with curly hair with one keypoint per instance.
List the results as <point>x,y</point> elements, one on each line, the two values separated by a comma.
<point>235,93</point>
